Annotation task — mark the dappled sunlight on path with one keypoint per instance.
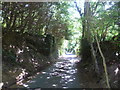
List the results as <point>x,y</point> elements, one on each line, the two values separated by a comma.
<point>62,74</point>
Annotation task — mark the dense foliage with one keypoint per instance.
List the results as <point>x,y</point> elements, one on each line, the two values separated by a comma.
<point>34,33</point>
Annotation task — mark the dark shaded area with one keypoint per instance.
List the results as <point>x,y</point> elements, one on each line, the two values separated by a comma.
<point>85,51</point>
<point>25,51</point>
<point>111,51</point>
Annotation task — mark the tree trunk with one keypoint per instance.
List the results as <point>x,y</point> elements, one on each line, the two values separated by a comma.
<point>87,49</point>
<point>104,64</point>
<point>88,35</point>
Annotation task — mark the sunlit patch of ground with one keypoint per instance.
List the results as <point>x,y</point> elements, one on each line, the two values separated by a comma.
<point>62,74</point>
<point>68,55</point>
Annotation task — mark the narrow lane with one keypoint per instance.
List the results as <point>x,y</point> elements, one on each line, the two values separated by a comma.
<point>63,74</point>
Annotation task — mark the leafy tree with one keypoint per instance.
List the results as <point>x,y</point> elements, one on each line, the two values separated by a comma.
<point>94,28</point>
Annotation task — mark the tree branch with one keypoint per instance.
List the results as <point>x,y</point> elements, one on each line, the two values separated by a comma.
<point>78,9</point>
<point>93,11</point>
<point>104,63</point>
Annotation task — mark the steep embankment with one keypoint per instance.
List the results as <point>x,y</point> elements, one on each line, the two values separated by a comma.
<point>111,51</point>
<point>23,56</point>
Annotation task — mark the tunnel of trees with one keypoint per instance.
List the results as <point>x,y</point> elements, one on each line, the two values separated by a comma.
<point>35,34</point>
